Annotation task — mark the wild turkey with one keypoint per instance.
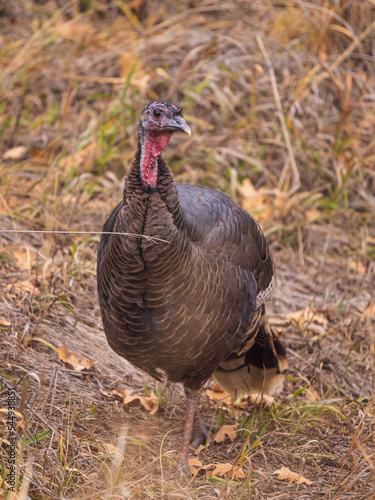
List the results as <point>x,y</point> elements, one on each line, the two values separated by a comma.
<point>182,289</point>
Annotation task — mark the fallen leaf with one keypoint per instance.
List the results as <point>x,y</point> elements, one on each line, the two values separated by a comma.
<point>219,469</point>
<point>199,449</point>
<point>112,449</point>
<point>285,474</point>
<point>72,30</point>
<point>24,258</point>
<point>241,402</point>
<point>81,435</point>
<point>4,322</point>
<point>76,471</point>
<point>114,394</point>
<point>225,469</point>
<point>369,311</point>
<point>267,203</point>
<point>150,403</point>
<point>312,394</point>
<point>261,399</point>
<point>312,215</point>
<point>16,413</point>
<point>162,73</point>
<point>356,266</point>
<point>73,361</point>
<point>194,465</point>
<point>128,398</point>
<point>15,153</point>
<point>305,316</point>
<point>225,430</point>
<point>23,286</point>
<point>217,396</point>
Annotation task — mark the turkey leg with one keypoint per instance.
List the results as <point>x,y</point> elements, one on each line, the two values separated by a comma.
<point>200,430</point>
<point>192,397</point>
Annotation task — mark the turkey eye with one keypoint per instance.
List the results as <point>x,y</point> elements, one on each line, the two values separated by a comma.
<point>157,113</point>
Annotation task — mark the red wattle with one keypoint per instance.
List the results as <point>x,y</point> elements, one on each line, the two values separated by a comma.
<point>153,146</point>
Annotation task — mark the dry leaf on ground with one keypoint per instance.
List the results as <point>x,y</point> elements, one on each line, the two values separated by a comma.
<point>264,400</point>
<point>305,316</point>
<point>356,266</point>
<point>4,322</point>
<point>194,465</point>
<point>17,414</point>
<point>72,360</point>
<point>25,259</point>
<point>15,153</point>
<point>313,214</point>
<point>312,394</point>
<point>199,449</point>
<point>76,471</point>
<point>112,449</point>
<point>267,203</point>
<point>226,469</point>
<point>242,402</point>
<point>128,398</point>
<point>285,474</point>
<point>150,403</point>
<point>218,396</point>
<point>370,311</point>
<point>225,430</point>
<point>21,287</point>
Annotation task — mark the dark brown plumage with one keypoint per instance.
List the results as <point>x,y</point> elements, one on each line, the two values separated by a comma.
<point>182,293</point>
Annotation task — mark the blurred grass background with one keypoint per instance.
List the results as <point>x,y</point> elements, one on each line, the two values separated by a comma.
<point>281,93</point>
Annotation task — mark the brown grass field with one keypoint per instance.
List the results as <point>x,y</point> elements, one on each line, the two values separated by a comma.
<point>280,96</point>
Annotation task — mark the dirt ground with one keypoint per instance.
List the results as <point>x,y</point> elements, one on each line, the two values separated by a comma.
<point>280,98</point>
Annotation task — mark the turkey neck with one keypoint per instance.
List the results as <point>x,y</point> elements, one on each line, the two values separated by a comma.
<point>150,148</point>
<point>150,187</point>
<point>153,213</point>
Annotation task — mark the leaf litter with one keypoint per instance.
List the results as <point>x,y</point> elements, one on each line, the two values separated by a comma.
<point>129,399</point>
<point>215,469</point>
<point>284,474</point>
<point>73,361</point>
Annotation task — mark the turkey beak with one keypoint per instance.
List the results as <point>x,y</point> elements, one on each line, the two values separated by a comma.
<point>184,127</point>
<point>178,124</point>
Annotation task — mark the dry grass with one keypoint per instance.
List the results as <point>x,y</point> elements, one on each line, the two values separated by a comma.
<point>282,93</point>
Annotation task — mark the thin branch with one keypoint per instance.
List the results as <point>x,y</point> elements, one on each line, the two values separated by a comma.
<point>150,238</point>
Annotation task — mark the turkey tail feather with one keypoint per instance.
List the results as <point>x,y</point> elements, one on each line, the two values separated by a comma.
<point>256,368</point>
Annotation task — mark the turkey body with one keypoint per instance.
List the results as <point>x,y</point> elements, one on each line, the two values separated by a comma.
<point>177,309</point>
<point>183,274</point>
